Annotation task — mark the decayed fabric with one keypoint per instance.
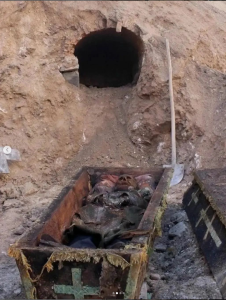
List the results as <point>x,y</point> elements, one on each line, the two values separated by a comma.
<point>111,213</point>
<point>106,184</point>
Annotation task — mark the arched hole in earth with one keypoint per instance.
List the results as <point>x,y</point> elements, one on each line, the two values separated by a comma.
<point>109,59</point>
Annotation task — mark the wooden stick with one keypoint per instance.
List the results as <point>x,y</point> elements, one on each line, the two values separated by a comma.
<point>173,130</point>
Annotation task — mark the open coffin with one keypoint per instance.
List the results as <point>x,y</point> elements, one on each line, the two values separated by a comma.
<point>93,243</point>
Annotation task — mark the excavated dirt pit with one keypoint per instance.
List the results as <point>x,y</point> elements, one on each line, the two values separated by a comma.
<point>121,120</point>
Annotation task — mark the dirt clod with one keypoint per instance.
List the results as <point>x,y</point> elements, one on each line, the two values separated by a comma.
<point>29,188</point>
<point>11,203</point>
<point>18,231</point>
<point>177,230</point>
<point>154,276</point>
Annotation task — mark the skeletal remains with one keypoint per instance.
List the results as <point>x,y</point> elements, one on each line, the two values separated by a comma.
<point>110,213</point>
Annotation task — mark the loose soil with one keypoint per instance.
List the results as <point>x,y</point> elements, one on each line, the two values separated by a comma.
<point>59,128</point>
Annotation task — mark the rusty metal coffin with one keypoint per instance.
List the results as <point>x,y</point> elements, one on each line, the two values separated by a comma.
<point>63,272</point>
<point>205,204</point>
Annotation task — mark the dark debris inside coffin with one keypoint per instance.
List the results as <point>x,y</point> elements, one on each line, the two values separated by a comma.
<point>110,214</point>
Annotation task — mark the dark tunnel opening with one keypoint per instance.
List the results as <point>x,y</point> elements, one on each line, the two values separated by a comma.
<point>109,59</point>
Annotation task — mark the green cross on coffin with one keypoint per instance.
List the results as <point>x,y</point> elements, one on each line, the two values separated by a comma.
<point>76,289</point>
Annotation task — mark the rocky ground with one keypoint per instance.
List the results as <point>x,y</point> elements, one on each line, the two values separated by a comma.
<point>177,268</point>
